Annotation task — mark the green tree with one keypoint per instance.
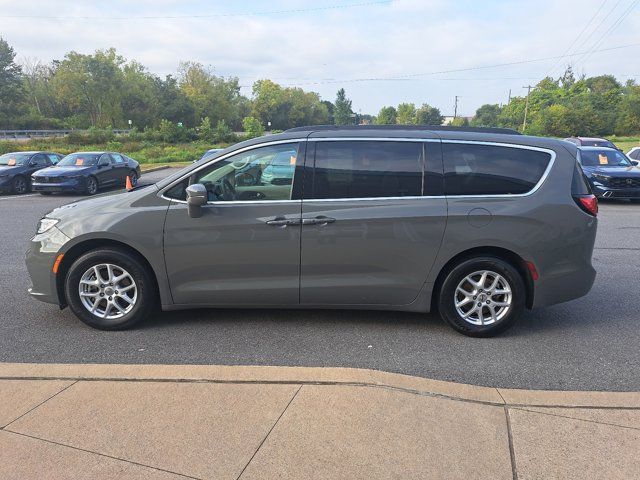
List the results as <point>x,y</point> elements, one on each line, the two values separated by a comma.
<point>252,127</point>
<point>486,116</point>
<point>223,132</point>
<point>205,131</point>
<point>459,122</point>
<point>11,92</point>
<point>406,114</point>
<point>386,116</point>
<point>428,115</point>
<point>342,109</point>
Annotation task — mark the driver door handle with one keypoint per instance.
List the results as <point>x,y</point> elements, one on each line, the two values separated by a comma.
<point>282,222</point>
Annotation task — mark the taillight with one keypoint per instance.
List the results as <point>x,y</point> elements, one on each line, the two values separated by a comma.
<point>588,203</point>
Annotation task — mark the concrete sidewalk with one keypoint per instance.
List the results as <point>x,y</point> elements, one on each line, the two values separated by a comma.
<point>219,422</point>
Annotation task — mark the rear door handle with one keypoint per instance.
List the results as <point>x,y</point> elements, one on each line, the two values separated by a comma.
<point>319,220</point>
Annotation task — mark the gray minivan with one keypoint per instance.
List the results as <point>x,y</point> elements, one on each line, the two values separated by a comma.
<point>477,224</point>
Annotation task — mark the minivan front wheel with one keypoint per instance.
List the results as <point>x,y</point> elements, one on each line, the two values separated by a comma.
<point>482,296</point>
<point>109,289</point>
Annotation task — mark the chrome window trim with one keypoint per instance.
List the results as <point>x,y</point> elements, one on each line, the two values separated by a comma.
<point>543,178</point>
<point>535,188</point>
<point>373,139</point>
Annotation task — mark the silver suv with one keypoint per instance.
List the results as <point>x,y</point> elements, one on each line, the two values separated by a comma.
<point>475,223</point>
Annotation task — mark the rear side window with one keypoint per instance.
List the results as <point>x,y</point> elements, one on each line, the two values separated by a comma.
<point>474,169</point>
<point>368,169</point>
<point>579,183</point>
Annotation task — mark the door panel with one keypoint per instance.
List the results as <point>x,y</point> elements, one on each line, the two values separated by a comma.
<point>369,236</point>
<point>245,248</point>
<point>232,256</point>
<point>376,252</point>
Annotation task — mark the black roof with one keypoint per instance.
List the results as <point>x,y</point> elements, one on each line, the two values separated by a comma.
<point>432,128</point>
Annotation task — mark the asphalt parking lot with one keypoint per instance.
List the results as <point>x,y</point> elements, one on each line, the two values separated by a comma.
<point>588,344</point>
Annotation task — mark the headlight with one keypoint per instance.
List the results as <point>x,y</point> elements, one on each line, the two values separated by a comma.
<point>600,176</point>
<point>46,224</point>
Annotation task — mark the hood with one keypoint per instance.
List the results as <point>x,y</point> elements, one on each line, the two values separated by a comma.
<point>61,171</point>
<point>100,204</point>
<point>626,172</point>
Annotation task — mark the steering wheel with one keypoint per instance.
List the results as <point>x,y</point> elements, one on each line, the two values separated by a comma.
<point>228,190</point>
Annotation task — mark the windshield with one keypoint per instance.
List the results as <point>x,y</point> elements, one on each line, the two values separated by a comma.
<point>79,160</point>
<point>11,159</point>
<point>604,158</point>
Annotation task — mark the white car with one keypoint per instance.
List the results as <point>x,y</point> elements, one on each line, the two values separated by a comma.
<point>634,155</point>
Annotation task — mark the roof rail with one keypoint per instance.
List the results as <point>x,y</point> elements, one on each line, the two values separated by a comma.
<point>313,128</point>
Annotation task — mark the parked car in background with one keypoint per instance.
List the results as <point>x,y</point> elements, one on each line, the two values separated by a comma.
<point>16,169</point>
<point>591,142</point>
<point>610,173</point>
<point>465,221</point>
<point>209,153</point>
<point>86,172</point>
<point>634,155</point>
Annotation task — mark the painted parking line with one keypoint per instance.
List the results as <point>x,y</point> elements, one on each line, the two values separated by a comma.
<point>16,197</point>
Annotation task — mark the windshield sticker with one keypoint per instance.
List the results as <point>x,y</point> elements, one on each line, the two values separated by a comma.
<point>292,160</point>
<point>79,162</point>
<point>11,162</point>
<point>603,159</point>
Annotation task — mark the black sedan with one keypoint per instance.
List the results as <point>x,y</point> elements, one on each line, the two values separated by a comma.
<point>610,173</point>
<point>16,169</point>
<point>86,172</point>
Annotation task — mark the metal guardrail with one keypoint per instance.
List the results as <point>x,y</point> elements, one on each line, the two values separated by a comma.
<point>21,134</point>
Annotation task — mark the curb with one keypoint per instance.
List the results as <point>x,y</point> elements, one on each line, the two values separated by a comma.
<point>319,376</point>
<point>156,169</point>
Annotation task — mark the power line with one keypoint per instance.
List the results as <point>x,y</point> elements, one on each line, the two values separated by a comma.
<point>456,70</point>
<point>575,40</point>
<point>615,24</point>
<point>210,15</point>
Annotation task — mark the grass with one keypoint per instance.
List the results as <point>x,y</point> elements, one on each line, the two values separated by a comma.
<point>144,152</point>
<point>148,166</point>
<point>157,153</point>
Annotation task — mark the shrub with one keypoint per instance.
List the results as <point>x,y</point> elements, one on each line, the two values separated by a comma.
<point>252,127</point>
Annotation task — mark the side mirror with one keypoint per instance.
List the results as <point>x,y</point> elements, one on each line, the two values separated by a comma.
<point>103,163</point>
<point>635,162</point>
<point>197,196</point>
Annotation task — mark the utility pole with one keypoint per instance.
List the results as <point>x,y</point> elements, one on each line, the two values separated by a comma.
<point>455,108</point>
<point>509,97</point>
<point>526,107</point>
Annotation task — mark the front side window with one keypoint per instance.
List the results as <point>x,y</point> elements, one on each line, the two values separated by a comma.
<point>367,169</point>
<point>117,158</point>
<point>473,169</point>
<point>263,173</point>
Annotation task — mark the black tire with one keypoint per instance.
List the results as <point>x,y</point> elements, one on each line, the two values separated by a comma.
<point>20,185</point>
<point>45,193</point>
<point>449,295</point>
<point>91,186</point>
<point>145,298</point>
<point>133,176</point>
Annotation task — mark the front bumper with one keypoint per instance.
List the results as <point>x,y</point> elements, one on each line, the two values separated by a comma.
<point>40,257</point>
<point>603,191</point>
<point>70,185</point>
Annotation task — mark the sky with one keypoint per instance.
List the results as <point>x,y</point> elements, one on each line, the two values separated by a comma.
<point>381,52</point>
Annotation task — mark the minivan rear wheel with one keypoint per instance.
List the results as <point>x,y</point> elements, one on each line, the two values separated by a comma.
<point>110,289</point>
<point>482,296</point>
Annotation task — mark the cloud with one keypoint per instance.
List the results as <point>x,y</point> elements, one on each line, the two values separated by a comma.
<point>310,49</point>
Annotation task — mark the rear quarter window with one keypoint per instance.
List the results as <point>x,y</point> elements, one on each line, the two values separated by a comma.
<point>474,169</point>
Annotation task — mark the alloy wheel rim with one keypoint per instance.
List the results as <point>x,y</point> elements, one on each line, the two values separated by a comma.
<point>20,185</point>
<point>91,185</point>
<point>483,298</point>
<point>107,291</point>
